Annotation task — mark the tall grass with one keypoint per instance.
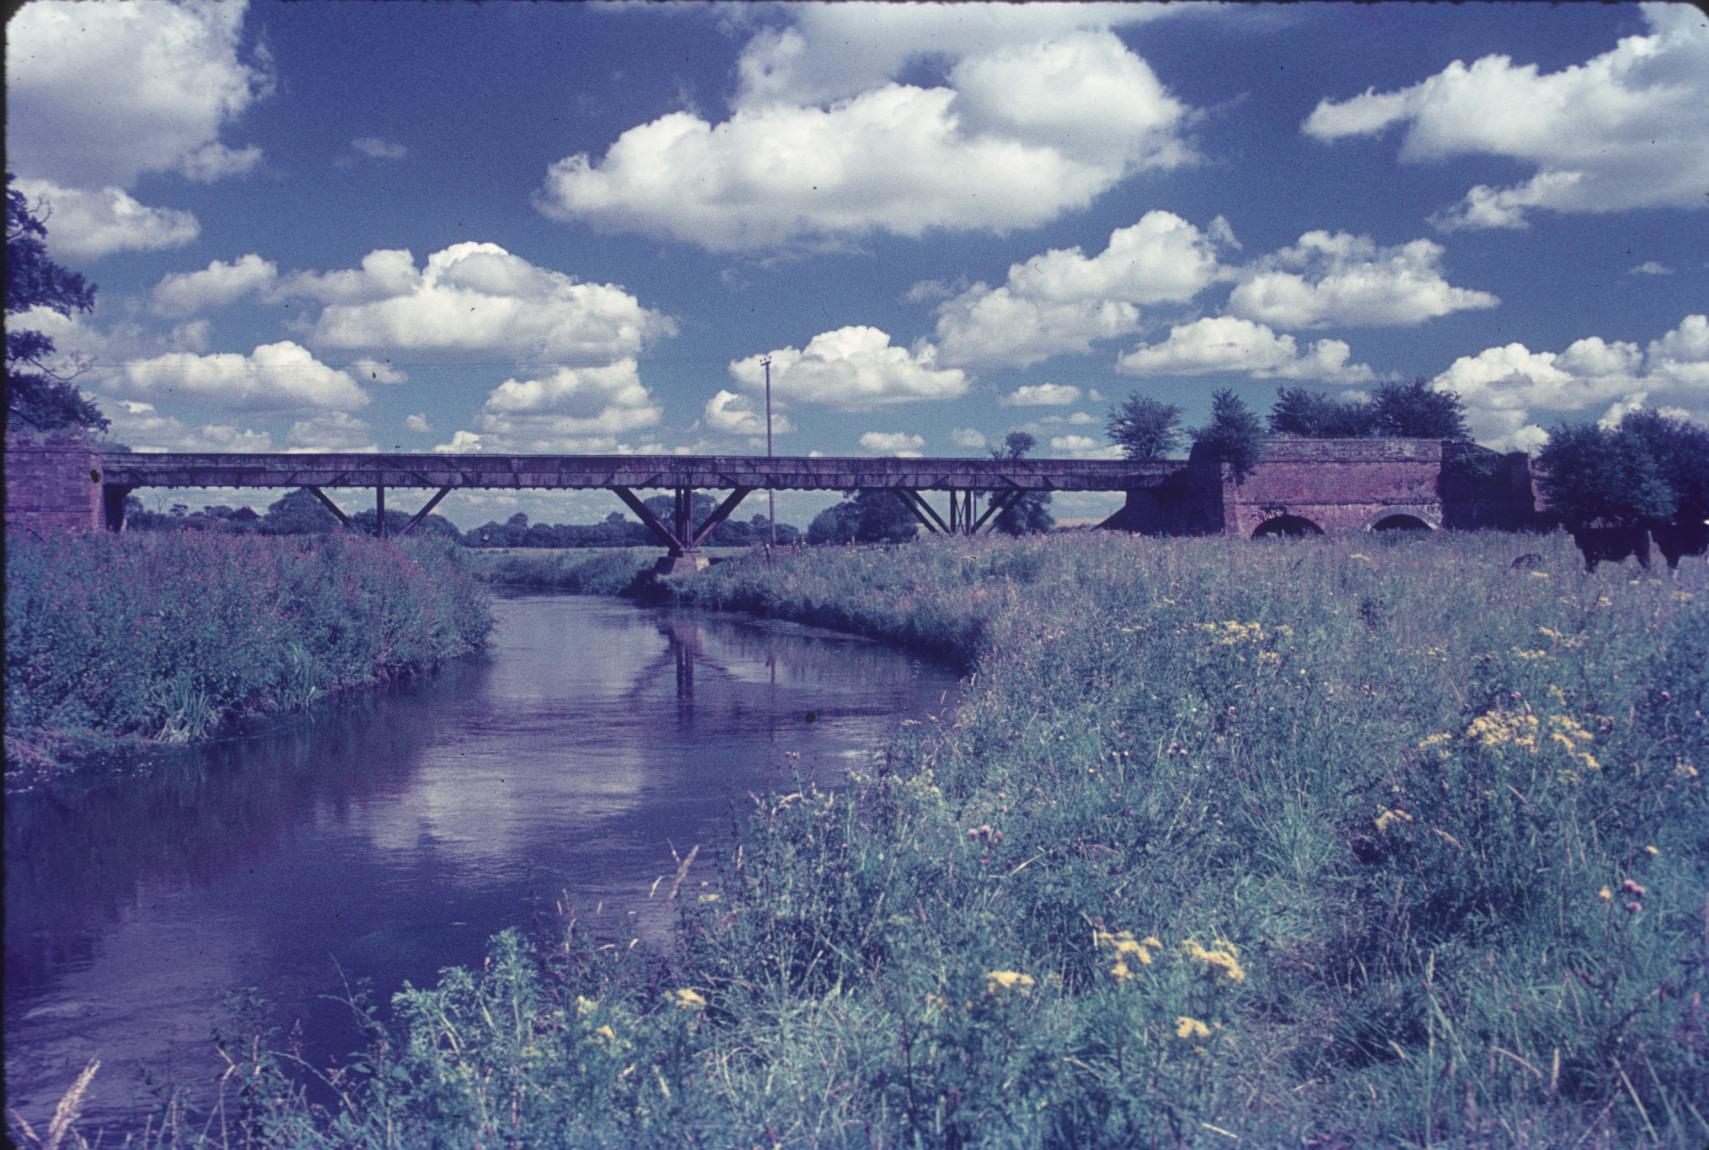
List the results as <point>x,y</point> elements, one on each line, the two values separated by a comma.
<point>1304,844</point>
<point>164,637</point>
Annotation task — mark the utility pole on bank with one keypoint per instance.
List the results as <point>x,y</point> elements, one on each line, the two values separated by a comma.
<point>770,492</point>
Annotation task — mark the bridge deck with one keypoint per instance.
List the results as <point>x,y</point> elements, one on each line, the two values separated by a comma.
<point>567,472</point>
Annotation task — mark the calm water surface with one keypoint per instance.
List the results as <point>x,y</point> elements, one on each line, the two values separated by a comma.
<point>389,836</point>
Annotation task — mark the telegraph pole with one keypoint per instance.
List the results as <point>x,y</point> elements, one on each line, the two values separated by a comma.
<point>770,492</point>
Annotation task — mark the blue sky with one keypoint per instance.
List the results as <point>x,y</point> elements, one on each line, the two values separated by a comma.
<point>578,228</point>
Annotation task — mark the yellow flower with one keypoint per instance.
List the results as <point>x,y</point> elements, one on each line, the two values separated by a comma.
<point>1605,895</point>
<point>687,999</point>
<point>1008,980</point>
<point>1387,818</point>
<point>607,1033</point>
<point>1224,957</point>
<point>585,1006</point>
<point>1652,850</point>
<point>1191,1028</point>
<point>1435,740</point>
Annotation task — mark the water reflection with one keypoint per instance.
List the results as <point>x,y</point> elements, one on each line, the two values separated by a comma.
<point>393,834</point>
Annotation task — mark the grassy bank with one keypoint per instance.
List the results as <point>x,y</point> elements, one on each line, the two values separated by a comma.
<point>581,571</point>
<point>1316,844</point>
<point>113,638</point>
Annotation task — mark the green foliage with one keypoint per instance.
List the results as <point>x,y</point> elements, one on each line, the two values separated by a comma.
<point>1416,410</point>
<point>1318,415</point>
<point>870,515</point>
<point>1031,515</point>
<point>165,636</point>
<point>1404,410</point>
<point>1590,474</point>
<point>37,394</point>
<point>1680,450</point>
<point>1233,434</point>
<point>1144,427</point>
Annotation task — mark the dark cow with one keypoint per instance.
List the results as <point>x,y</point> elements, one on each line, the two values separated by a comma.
<point>1612,545</point>
<point>1676,540</point>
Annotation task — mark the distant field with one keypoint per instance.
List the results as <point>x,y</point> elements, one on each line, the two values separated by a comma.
<point>1326,843</point>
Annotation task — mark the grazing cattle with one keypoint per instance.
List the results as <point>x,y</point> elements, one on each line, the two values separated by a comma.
<point>1675,540</point>
<point>1612,545</point>
<point>1526,561</point>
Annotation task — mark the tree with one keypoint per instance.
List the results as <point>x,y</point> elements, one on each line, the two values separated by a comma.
<point>1233,435</point>
<point>1416,410</point>
<point>1144,427</point>
<point>1316,415</point>
<point>1592,475</point>
<point>35,393</point>
<point>1680,450</point>
<point>298,513</point>
<point>872,515</point>
<point>1031,515</point>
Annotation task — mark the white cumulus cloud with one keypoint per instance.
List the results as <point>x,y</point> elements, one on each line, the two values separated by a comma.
<point>567,409</point>
<point>142,428</point>
<point>86,224</point>
<point>1082,447</point>
<point>275,377</point>
<point>380,371</point>
<point>737,414</point>
<point>417,423</point>
<point>969,438</point>
<point>1062,301</point>
<point>826,143</point>
<point>1623,130</point>
<point>478,297</point>
<point>901,443</point>
<point>1041,395</point>
<point>219,284</point>
<point>330,431</point>
<point>1348,281</point>
<point>1228,344</point>
<point>852,369</point>
<point>1511,390</point>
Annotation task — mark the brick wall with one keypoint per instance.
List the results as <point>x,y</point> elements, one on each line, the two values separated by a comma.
<point>52,483</point>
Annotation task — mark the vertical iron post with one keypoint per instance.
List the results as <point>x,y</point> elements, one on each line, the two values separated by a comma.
<point>770,492</point>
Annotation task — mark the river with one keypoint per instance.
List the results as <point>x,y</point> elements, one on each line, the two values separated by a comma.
<point>389,835</point>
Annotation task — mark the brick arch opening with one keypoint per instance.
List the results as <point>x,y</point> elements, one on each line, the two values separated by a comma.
<point>1286,526</point>
<point>1402,521</point>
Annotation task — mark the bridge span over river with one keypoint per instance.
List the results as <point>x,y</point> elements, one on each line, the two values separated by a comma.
<point>1298,486</point>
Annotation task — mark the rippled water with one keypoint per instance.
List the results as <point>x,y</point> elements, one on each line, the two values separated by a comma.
<point>390,835</point>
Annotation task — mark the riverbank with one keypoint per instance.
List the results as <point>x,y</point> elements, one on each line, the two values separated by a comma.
<point>117,641</point>
<point>1346,843</point>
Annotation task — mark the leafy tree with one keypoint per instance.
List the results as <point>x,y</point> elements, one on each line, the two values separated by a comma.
<point>1144,427</point>
<point>1234,434</point>
<point>298,513</point>
<point>35,393</point>
<point>872,515</point>
<point>1316,415</point>
<point>1416,410</point>
<point>1590,475</point>
<point>1031,515</point>
<point>1680,450</point>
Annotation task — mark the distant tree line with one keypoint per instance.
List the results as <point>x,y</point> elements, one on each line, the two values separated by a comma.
<point>300,513</point>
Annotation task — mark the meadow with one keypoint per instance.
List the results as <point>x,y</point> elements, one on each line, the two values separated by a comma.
<point>124,640</point>
<point>1321,843</point>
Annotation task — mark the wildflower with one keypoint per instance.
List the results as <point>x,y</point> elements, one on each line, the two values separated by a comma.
<point>1523,653</point>
<point>1605,895</point>
<point>1496,730</point>
<point>686,999</point>
<point>1387,818</point>
<point>1191,1028</point>
<point>607,1033</point>
<point>1539,574</point>
<point>1652,850</point>
<point>1435,740</point>
<point>1224,957</point>
<point>1632,888</point>
<point>1008,980</point>
<point>585,1006</point>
